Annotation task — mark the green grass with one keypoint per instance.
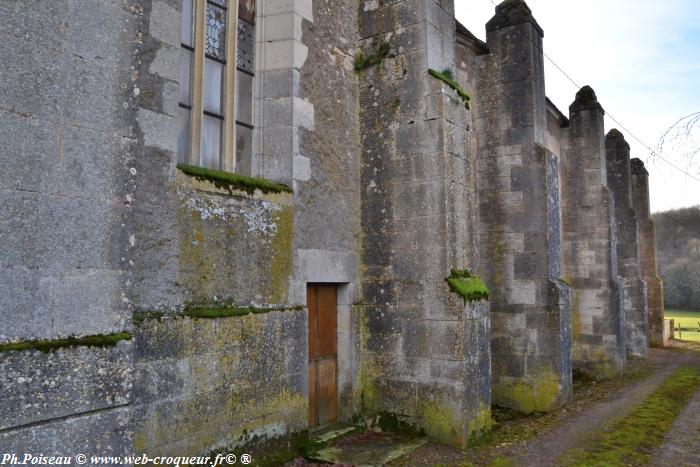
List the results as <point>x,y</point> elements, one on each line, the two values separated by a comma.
<point>632,439</point>
<point>689,322</point>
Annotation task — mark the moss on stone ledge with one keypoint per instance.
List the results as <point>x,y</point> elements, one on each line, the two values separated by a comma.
<point>230,181</point>
<point>447,77</point>
<point>212,311</point>
<point>101,340</point>
<point>468,286</point>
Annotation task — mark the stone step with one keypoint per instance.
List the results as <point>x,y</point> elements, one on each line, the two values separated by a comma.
<point>363,448</point>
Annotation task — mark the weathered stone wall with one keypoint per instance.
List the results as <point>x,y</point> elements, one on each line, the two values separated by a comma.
<point>468,58</point>
<point>117,230</point>
<point>327,223</point>
<point>628,255</point>
<point>519,206</point>
<point>197,384</point>
<point>590,243</point>
<point>425,355</point>
<point>394,182</point>
<point>67,114</point>
<point>208,384</point>
<point>557,126</point>
<point>647,251</point>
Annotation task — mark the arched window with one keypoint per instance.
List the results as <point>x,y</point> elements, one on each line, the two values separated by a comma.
<point>216,112</point>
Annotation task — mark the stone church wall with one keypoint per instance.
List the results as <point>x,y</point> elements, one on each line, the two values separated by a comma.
<point>425,351</point>
<point>149,310</point>
<point>519,207</point>
<point>589,246</point>
<point>628,246</point>
<point>68,113</point>
<point>647,251</point>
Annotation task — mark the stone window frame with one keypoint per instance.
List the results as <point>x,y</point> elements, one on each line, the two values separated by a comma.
<point>227,151</point>
<point>279,113</point>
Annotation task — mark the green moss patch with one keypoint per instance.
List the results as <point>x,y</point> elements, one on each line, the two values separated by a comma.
<point>210,312</point>
<point>362,61</point>
<point>102,340</point>
<point>447,77</point>
<point>229,311</point>
<point>230,181</point>
<point>632,440</point>
<point>467,285</point>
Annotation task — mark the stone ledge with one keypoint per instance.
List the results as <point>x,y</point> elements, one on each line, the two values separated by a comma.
<point>42,386</point>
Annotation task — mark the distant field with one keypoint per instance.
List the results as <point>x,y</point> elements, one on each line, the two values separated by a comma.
<point>689,321</point>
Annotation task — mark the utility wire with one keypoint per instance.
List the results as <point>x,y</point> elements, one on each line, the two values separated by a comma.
<point>682,224</point>
<point>646,146</point>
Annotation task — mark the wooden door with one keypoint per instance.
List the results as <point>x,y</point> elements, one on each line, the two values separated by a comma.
<point>323,355</point>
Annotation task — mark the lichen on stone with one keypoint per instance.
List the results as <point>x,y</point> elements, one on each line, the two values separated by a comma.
<point>539,393</point>
<point>467,285</point>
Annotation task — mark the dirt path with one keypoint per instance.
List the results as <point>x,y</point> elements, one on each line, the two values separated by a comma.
<point>681,445</point>
<point>557,433</point>
<point>548,448</point>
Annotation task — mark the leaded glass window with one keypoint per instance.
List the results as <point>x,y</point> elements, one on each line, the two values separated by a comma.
<point>215,119</point>
<point>216,31</point>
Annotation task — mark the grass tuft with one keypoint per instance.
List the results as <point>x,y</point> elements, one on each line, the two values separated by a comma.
<point>631,440</point>
<point>230,181</point>
<point>447,77</point>
<point>363,62</point>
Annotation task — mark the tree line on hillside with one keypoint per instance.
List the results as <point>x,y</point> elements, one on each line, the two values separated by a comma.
<point>678,251</point>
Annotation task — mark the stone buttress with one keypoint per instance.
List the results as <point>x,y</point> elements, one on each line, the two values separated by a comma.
<point>520,252</point>
<point>647,251</point>
<point>628,255</point>
<point>589,247</point>
<point>425,350</point>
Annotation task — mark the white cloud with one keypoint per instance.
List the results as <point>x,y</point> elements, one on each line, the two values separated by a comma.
<point>643,59</point>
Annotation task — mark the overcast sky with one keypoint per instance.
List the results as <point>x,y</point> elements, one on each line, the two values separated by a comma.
<point>642,57</point>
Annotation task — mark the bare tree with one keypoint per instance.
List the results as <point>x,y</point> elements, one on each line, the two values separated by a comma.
<point>682,139</point>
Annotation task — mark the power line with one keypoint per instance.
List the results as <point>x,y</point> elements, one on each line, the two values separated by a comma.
<point>646,146</point>
<point>691,229</point>
<point>654,153</point>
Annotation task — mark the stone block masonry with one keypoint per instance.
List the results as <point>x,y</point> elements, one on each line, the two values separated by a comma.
<point>628,252</point>
<point>67,128</point>
<point>224,387</point>
<point>519,207</point>
<point>424,352</point>
<point>590,243</point>
<point>171,300</point>
<point>647,251</point>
